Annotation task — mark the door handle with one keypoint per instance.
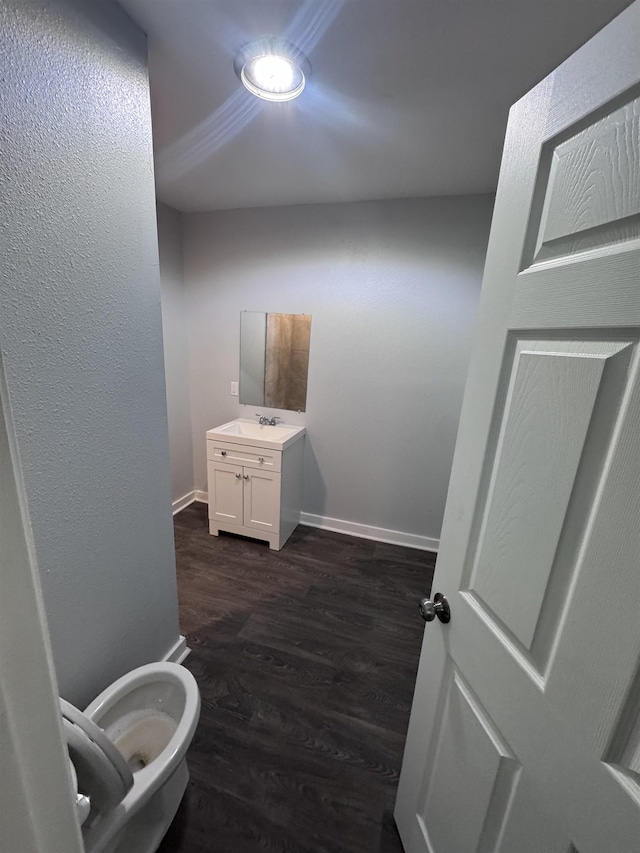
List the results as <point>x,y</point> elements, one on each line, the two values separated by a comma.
<point>438,607</point>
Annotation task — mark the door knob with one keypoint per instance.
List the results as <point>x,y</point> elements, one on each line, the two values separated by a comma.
<point>438,607</point>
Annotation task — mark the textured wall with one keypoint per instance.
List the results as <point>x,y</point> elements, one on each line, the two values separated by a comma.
<point>392,288</point>
<point>80,331</point>
<point>176,350</point>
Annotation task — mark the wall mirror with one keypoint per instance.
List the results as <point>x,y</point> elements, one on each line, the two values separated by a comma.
<point>274,359</point>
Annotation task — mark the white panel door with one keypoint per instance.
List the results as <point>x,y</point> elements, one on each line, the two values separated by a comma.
<point>261,500</point>
<point>525,729</point>
<point>225,492</point>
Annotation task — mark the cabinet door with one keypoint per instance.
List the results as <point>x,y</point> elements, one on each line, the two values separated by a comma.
<point>225,492</point>
<point>261,500</point>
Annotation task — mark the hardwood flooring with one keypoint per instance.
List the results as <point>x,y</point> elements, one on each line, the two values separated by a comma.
<point>306,661</point>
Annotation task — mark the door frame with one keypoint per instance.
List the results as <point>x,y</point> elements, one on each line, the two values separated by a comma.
<point>37,808</point>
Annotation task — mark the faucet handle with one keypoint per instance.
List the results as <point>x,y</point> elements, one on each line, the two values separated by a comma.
<point>274,421</point>
<point>259,415</point>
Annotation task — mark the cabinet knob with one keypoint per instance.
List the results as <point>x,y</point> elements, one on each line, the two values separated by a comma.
<point>261,459</point>
<point>238,476</point>
<point>223,453</point>
<point>245,476</point>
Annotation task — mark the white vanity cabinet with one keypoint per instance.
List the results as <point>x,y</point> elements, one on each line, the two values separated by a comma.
<point>255,490</point>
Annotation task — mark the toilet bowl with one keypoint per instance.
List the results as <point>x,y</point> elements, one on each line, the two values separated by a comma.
<point>128,750</point>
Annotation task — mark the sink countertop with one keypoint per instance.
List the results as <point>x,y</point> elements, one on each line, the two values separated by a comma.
<point>243,431</point>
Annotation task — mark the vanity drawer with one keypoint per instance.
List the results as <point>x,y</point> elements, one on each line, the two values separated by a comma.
<point>242,454</point>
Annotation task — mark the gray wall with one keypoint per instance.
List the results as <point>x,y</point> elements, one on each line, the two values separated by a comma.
<point>393,288</point>
<point>176,350</point>
<point>80,331</point>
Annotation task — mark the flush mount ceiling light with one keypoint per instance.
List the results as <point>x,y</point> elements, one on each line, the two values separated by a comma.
<point>272,69</point>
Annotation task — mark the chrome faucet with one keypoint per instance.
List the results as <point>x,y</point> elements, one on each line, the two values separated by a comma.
<point>265,421</point>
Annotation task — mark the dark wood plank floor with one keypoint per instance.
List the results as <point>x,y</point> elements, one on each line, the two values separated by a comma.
<point>306,660</point>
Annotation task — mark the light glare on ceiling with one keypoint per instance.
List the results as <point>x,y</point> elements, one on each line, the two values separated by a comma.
<point>272,69</point>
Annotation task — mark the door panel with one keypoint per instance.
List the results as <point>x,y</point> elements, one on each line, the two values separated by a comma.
<point>559,411</point>
<point>552,560</point>
<point>592,197</point>
<point>550,403</point>
<point>226,482</point>
<point>525,728</point>
<point>524,832</point>
<point>582,289</point>
<point>261,500</point>
<point>607,584</point>
<point>472,764</point>
<point>623,754</point>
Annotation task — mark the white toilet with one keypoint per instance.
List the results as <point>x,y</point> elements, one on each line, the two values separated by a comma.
<point>128,752</point>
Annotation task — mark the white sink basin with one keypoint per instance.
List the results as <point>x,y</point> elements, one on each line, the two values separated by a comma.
<point>242,431</point>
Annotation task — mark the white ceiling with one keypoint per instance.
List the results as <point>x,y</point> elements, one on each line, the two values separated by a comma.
<point>407,97</point>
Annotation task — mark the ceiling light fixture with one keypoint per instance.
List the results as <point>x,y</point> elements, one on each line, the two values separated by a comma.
<point>272,69</point>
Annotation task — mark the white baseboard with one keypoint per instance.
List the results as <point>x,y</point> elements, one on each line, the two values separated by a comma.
<point>366,531</point>
<point>189,498</point>
<point>183,502</point>
<point>353,528</point>
<point>178,651</point>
